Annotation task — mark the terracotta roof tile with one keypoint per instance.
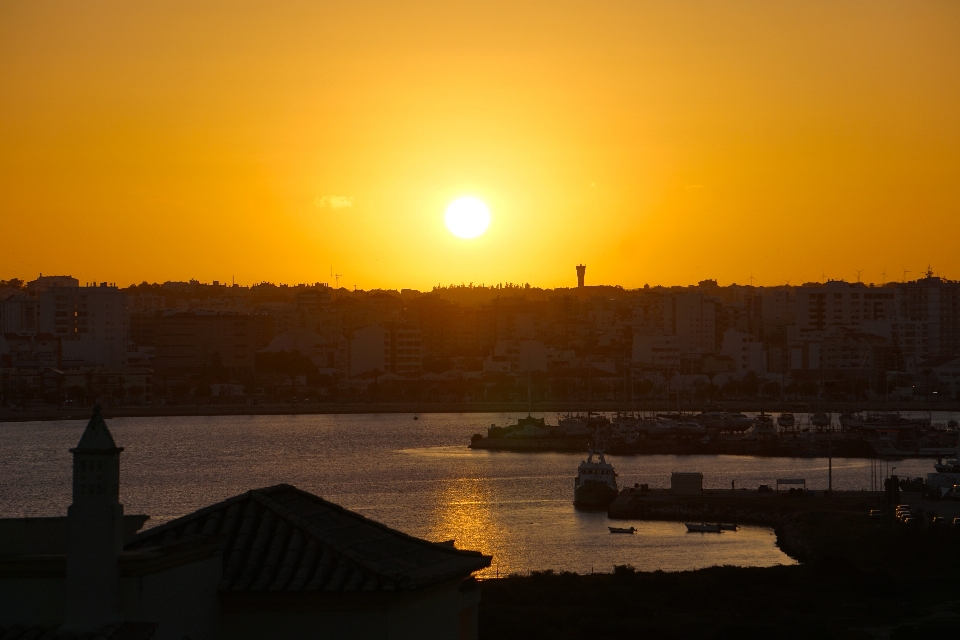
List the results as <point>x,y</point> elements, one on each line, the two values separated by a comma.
<point>283,539</point>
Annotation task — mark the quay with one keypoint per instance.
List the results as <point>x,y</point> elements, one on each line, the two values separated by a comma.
<point>845,448</point>
<point>814,526</point>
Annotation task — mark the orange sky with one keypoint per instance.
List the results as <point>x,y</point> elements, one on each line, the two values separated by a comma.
<point>659,142</point>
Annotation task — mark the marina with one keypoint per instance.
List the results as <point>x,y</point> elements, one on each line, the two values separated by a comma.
<point>818,434</point>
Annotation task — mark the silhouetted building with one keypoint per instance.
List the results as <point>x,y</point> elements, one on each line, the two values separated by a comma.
<point>269,563</point>
<point>581,274</point>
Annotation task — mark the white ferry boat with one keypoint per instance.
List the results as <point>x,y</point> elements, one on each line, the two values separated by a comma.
<point>596,483</point>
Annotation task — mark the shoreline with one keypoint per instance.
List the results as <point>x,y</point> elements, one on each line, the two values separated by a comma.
<point>845,448</point>
<point>334,408</point>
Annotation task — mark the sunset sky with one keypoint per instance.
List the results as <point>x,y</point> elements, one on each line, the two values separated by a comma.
<point>658,142</point>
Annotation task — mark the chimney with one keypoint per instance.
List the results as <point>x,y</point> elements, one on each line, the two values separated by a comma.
<point>581,272</point>
<point>95,530</point>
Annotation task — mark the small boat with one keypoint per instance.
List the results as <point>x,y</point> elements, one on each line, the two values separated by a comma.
<point>703,527</point>
<point>728,527</point>
<point>621,529</point>
<point>820,419</point>
<point>786,420</point>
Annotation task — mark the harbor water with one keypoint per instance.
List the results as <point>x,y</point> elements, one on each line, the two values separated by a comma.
<point>415,475</point>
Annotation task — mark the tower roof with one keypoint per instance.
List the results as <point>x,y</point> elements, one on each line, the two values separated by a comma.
<point>96,437</point>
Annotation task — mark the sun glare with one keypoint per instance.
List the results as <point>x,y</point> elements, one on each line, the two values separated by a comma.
<point>467,217</point>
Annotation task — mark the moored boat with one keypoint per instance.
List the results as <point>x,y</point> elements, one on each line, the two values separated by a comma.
<point>820,419</point>
<point>786,420</point>
<point>595,486</point>
<point>621,529</point>
<point>703,527</point>
<point>946,473</point>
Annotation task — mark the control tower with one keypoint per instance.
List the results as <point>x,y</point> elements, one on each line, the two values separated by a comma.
<point>581,272</point>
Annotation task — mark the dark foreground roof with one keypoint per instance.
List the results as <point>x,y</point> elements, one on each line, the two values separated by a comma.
<point>283,539</point>
<point>118,631</point>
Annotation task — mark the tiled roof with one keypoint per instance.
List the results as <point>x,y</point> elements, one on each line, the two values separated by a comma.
<point>282,539</point>
<point>117,631</point>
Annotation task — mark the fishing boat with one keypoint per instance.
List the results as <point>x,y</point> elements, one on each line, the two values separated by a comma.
<point>703,527</point>
<point>621,529</point>
<point>728,527</point>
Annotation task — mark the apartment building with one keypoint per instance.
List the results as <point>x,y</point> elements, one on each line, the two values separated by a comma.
<point>391,347</point>
<point>192,340</point>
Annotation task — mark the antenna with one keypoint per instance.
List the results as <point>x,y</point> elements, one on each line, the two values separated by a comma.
<point>751,277</point>
<point>884,276</point>
<point>337,276</point>
<point>859,271</point>
<point>905,272</point>
<point>823,276</point>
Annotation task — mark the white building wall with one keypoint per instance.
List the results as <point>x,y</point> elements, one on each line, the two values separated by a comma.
<point>369,350</point>
<point>92,322</point>
<point>656,350</point>
<point>19,314</point>
<point>741,347</point>
<point>694,322</point>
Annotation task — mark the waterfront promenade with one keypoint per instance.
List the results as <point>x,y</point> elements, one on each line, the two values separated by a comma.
<point>18,414</point>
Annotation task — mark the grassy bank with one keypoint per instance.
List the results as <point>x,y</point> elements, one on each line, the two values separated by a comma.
<point>819,600</point>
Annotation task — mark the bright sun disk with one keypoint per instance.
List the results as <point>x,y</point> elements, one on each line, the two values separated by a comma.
<point>467,217</point>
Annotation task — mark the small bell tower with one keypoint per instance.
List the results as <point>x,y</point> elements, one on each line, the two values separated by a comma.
<point>95,526</point>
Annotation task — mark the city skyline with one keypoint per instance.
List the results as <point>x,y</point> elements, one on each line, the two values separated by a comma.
<point>333,280</point>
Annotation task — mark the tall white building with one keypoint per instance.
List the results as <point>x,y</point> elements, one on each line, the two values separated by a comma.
<point>843,304</point>
<point>91,321</point>
<point>19,314</point>
<point>656,349</point>
<point>745,351</point>
<point>389,347</point>
<point>693,321</point>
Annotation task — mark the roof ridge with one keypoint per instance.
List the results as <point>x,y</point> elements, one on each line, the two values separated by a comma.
<point>420,541</point>
<point>193,515</point>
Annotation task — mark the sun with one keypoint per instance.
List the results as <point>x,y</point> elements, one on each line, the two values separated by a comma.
<point>467,217</point>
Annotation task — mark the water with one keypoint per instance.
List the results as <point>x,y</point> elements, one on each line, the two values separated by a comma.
<point>416,476</point>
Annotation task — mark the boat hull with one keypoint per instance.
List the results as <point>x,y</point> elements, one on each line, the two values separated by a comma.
<point>702,528</point>
<point>593,495</point>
